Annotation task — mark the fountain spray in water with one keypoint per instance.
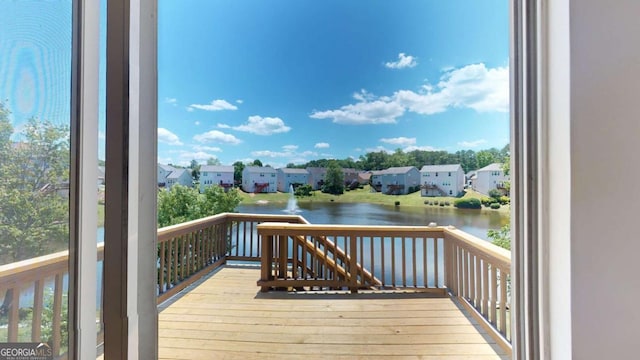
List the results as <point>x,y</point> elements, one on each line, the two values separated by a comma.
<point>292,203</point>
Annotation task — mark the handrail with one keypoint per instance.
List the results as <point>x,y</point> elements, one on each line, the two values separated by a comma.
<point>474,271</point>
<point>437,259</point>
<point>411,254</point>
<point>186,252</point>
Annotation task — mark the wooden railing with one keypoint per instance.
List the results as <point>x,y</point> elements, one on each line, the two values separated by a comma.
<point>33,293</point>
<point>41,283</point>
<point>294,255</point>
<point>304,256</point>
<point>189,250</point>
<point>435,259</point>
<point>478,273</point>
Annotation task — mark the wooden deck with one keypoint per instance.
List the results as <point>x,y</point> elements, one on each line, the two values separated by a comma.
<point>227,317</point>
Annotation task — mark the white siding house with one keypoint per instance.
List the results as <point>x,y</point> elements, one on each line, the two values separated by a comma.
<point>211,175</point>
<point>376,180</point>
<point>180,177</point>
<point>288,177</point>
<point>490,177</point>
<point>442,180</point>
<point>316,177</point>
<point>399,180</point>
<point>163,172</point>
<point>256,179</point>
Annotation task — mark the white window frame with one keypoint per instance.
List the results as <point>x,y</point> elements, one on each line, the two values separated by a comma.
<point>129,333</point>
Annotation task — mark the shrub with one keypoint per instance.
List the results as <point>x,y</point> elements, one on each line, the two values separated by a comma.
<point>504,200</point>
<point>447,203</point>
<point>303,190</point>
<point>397,203</point>
<point>471,203</point>
<point>495,205</point>
<point>487,201</point>
<point>435,202</point>
<point>426,202</point>
<point>441,204</point>
<point>495,193</point>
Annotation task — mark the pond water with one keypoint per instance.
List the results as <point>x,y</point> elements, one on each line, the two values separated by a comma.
<point>474,222</point>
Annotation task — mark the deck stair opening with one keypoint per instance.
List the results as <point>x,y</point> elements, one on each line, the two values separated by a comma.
<point>395,189</point>
<point>319,256</point>
<point>259,187</point>
<point>433,189</point>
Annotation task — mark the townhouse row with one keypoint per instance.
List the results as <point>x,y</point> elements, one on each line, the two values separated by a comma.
<point>431,180</point>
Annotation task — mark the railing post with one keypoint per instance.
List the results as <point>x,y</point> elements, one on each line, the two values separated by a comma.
<point>266,260</point>
<point>283,255</point>
<point>353,264</point>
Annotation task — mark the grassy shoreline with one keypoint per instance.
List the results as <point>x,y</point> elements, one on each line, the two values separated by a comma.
<point>366,196</point>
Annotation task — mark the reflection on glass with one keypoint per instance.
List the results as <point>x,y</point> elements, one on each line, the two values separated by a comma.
<point>35,80</point>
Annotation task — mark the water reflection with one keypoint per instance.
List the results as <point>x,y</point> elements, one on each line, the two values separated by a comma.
<point>472,221</point>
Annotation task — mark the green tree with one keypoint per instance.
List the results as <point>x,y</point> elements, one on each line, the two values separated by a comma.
<point>177,205</point>
<point>34,216</point>
<point>257,162</point>
<point>238,166</point>
<point>181,203</point>
<point>215,201</point>
<point>501,237</point>
<point>304,190</point>
<point>485,157</point>
<point>334,180</point>
<point>213,161</point>
<point>195,170</point>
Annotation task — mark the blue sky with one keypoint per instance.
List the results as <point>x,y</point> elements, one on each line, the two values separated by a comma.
<point>292,81</point>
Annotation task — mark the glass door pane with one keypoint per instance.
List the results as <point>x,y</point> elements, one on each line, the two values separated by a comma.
<point>35,97</point>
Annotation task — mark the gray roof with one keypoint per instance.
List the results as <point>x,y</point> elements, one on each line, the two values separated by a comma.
<point>492,167</point>
<point>166,167</point>
<point>177,173</point>
<point>441,168</point>
<point>294,171</point>
<point>260,169</point>
<point>398,170</point>
<point>216,168</point>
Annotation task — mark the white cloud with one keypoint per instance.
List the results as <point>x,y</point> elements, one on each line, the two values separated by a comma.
<point>184,157</point>
<point>422,148</point>
<point>383,110</point>
<point>239,101</point>
<point>269,153</point>
<point>473,86</point>
<point>288,151</point>
<point>321,145</point>
<point>215,105</point>
<point>261,126</point>
<point>404,61</point>
<point>167,137</point>
<point>402,141</point>
<point>217,136</point>
<point>197,123</point>
<point>189,109</point>
<point>171,101</point>
<point>471,144</point>
<point>378,149</point>
<point>206,148</point>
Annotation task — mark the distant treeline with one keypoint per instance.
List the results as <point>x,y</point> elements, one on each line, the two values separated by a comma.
<point>469,159</point>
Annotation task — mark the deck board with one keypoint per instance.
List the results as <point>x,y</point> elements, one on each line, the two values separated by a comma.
<point>227,317</point>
